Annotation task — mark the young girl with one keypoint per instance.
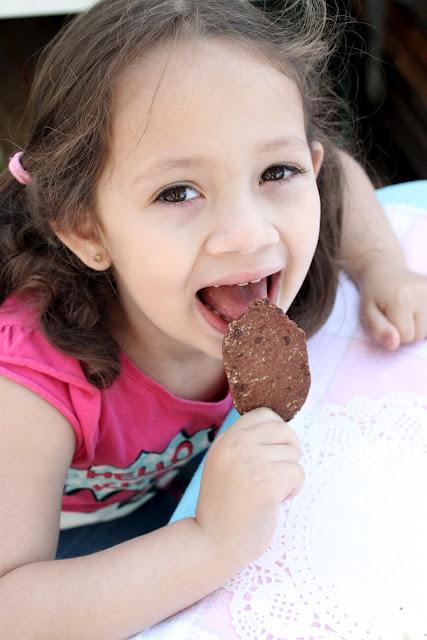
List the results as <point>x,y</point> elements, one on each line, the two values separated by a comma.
<point>179,157</point>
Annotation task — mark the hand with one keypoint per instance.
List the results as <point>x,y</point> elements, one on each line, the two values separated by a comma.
<point>394,304</point>
<point>249,470</point>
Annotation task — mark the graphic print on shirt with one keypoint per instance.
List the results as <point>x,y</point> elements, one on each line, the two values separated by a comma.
<point>150,471</point>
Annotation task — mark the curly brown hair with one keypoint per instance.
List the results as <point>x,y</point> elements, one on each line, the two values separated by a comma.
<point>68,143</point>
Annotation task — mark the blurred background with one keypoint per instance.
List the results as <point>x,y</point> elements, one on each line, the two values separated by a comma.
<point>385,81</point>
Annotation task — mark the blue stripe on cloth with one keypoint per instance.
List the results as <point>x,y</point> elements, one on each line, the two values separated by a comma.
<point>187,506</point>
<point>412,194</point>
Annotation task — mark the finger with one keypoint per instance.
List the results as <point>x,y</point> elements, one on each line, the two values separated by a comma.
<point>420,321</point>
<point>293,479</point>
<point>279,453</point>
<point>379,327</point>
<point>403,320</point>
<point>260,415</point>
<point>283,480</point>
<point>274,433</point>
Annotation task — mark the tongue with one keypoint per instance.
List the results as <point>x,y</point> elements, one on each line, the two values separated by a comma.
<point>232,300</point>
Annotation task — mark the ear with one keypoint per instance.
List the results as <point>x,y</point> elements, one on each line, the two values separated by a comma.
<point>317,153</point>
<point>86,246</point>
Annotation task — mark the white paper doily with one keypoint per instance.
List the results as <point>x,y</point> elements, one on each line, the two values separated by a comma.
<point>349,559</point>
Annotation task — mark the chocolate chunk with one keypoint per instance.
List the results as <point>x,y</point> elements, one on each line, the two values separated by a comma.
<point>273,370</point>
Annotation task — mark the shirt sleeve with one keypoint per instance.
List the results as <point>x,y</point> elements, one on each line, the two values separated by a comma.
<point>26,357</point>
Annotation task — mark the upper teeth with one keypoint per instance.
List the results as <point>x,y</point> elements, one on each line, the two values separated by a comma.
<point>243,284</point>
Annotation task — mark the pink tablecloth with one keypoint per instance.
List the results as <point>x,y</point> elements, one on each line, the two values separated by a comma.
<point>349,558</point>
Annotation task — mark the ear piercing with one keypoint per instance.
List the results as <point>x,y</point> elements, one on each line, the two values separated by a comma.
<point>102,260</point>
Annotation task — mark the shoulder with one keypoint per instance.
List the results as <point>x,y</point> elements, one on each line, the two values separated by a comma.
<point>22,343</point>
<point>37,446</point>
<point>28,358</point>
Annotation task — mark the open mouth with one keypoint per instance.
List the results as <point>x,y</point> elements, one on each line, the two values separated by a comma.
<point>220,305</point>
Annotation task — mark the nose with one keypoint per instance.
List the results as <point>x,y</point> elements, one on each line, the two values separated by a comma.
<point>242,228</point>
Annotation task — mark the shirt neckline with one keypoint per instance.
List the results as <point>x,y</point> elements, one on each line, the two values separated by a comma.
<point>130,369</point>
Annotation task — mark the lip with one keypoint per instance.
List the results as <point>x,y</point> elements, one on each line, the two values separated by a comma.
<point>273,292</point>
<point>243,276</point>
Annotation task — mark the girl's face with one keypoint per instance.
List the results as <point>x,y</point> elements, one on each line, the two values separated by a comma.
<point>210,180</point>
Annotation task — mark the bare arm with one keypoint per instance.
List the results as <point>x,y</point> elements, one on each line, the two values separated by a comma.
<point>393,299</point>
<point>114,593</point>
<point>367,235</point>
<point>108,595</point>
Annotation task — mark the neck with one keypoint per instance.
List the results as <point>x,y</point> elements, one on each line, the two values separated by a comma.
<point>202,379</point>
<point>184,372</point>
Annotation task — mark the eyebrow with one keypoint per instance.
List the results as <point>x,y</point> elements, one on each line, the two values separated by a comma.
<point>196,161</point>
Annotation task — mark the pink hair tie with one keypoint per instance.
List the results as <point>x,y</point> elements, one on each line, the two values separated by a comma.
<point>17,170</point>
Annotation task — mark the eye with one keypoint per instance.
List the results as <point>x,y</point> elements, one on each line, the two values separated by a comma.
<point>281,173</point>
<point>177,194</point>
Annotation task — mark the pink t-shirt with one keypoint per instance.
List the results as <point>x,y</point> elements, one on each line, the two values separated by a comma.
<point>130,438</point>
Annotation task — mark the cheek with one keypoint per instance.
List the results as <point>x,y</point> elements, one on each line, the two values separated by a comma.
<point>145,256</point>
<point>312,212</point>
<point>302,225</point>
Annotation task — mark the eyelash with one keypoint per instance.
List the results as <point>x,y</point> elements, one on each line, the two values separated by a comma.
<point>295,171</point>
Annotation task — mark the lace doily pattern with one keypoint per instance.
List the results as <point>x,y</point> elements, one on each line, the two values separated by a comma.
<point>349,558</point>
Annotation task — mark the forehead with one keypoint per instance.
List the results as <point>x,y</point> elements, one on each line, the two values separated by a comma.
<point>202,92</point>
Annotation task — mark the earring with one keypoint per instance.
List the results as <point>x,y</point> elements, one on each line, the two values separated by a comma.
<point>98,258</point>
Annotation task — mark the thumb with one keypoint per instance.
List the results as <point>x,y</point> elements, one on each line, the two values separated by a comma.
<point>379,327</point>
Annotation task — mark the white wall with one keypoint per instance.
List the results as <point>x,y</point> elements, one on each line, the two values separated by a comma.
<point>21,8</point>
